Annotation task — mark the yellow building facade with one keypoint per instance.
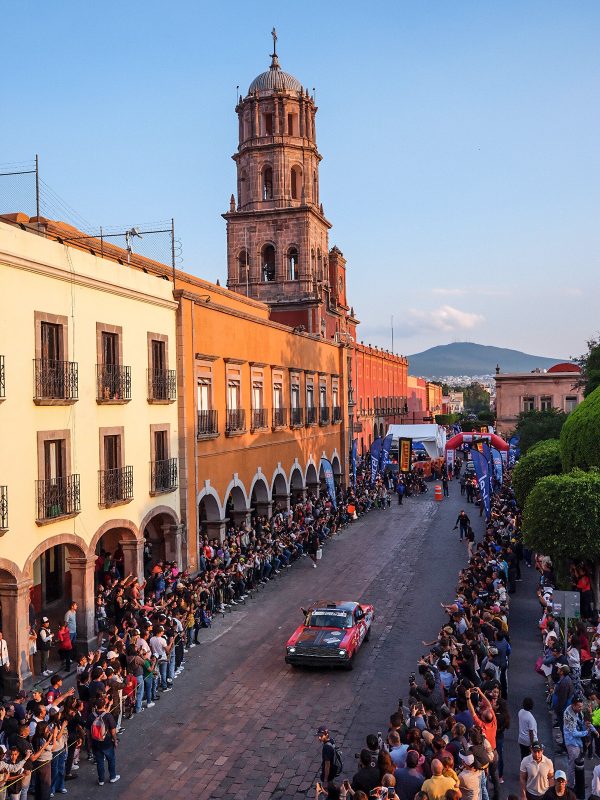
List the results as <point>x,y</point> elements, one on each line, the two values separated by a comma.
<point>89,420</point>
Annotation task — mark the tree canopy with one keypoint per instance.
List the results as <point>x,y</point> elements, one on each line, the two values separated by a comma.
<point>590,367</point>
<point>476,398</point>
<point>580,435</point>
<point>541,459</point>
<point>562,515</point>
<point>536,426</point>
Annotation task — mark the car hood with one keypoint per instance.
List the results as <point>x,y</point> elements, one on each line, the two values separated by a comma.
<point>321,637</point>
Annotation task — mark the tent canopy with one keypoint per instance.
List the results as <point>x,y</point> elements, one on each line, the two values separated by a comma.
<point>462,438</point>
<point>432,437</point>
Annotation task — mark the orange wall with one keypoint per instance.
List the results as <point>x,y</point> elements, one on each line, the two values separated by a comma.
<point>222,337</point>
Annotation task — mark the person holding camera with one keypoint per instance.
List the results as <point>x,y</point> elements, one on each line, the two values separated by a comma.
<point>367,776</point>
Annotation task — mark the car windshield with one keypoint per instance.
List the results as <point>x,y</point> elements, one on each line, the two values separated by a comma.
<point>329,618</point>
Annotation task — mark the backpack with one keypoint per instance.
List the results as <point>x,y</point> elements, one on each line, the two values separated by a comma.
<point>98,729</point>
<point>337,764</point>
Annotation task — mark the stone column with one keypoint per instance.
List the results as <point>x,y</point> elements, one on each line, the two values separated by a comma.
<point>264,508</point>
<point>216,529</point>
<point>172,537</point>
<point>15,629</point>
<point>82,592</point>
<point>282,500</point>
<point>133,550</point>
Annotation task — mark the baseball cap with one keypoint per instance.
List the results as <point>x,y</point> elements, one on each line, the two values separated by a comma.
<point>322,729</point>
<point>536,746</point>
<point>560,775</point>
<point>44,620</point>
<point>110,655</point>
<point>467,758</point>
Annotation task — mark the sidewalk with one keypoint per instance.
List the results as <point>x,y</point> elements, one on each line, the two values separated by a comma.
<point>525,641</point>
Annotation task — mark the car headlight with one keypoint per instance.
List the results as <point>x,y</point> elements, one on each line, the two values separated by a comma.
<point>291,649</point>
<point>342,652</point>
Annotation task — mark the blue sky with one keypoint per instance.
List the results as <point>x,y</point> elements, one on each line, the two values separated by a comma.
<point>461,162</point>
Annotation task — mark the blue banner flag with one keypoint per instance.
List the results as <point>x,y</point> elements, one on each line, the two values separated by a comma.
<point>514,443</point>
<point>481,470</point>
<point>375,454</point>
<point>485,449</point>
<point>497,459</point>
<point>384,458</point>
<point>330,483</point>
<point>353,461</point>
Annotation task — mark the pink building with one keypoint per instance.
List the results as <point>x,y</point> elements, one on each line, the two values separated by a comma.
<point>535,391</point>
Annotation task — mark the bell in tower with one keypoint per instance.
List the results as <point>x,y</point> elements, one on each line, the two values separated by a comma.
<point>277,235</point>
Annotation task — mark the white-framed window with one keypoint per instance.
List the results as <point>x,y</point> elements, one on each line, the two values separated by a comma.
<point>570,403</point>
<point>529,403</point>
<point>204,393</point>
<point>323,394</point>
<point>257,393</point>
<point>234,390</point>
<point>545,403</point>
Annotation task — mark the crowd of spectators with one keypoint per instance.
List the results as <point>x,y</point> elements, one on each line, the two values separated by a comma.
<point>145,628</point>
<point>447,741</point>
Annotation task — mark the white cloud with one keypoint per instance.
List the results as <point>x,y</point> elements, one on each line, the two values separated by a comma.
<point>446,319</point>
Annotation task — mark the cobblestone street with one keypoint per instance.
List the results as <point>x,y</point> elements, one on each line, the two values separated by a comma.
<point>241,723</point>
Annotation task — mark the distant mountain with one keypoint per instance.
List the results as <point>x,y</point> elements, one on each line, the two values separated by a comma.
<point>468,358</point>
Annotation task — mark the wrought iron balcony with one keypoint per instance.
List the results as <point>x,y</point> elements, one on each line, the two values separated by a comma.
<point>3,508</point>
<point>336,413</point>
<point>259,418</point>
<point>2,379</point>
<point>115,485</point>
<point>113,382</point>
<point>162,385</point>
<point>208,424</point>
<point>311,415</point>
<point>324,415</point>
<point>279,417</point>
<point>163,476</point>
<point>296,417</point>
<point>236,420</point>
<point>57,497</point>
<point>56,380</point>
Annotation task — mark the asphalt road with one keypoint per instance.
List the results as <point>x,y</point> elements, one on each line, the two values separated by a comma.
<point>241,723</point>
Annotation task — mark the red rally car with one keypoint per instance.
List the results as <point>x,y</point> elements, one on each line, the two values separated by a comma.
<point>331,634</point>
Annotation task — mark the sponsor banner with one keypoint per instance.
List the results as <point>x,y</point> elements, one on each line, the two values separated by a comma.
<point>481,470</point>
<point>450,454</point>
<point>497,462</point>
<point>404,454</point>
<point>384,458</point>
<point>328,472</point>
<point>353,461</point>
<point>375,454</point>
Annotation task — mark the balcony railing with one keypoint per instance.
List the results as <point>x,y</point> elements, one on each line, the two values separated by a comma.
<point>3,508</point>
<point>2,379</point>
<point>57,497</point>
<point>208,424</point>
<point>324,415</point>
<point>115,485</point>
<point>259,418</point>
<point>279,417</point>
<point>296,417</point>
<point>236,420</point>
<point>56,380</point>
<point>163,475</point>
<point>113,382</point>
<point>336,413</point>
<point>162,384</point>
<point>311,415</point>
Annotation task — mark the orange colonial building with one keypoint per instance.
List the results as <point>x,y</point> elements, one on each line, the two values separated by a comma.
<point>260,405</point>
<point>380,381</point>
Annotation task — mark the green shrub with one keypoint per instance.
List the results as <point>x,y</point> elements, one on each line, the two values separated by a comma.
<point>562,515</point>
<point>542,458</point>
<point>580,435</point>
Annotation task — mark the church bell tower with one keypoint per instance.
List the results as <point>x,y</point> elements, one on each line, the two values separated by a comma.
<point>277,234</point>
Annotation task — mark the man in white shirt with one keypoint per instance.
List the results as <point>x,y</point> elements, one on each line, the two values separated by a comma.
<point>527,727</point>
<point>4,663</point>
<point>160,649</point>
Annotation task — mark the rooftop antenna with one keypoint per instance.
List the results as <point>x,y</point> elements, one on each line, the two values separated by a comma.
<point>129,235</point>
